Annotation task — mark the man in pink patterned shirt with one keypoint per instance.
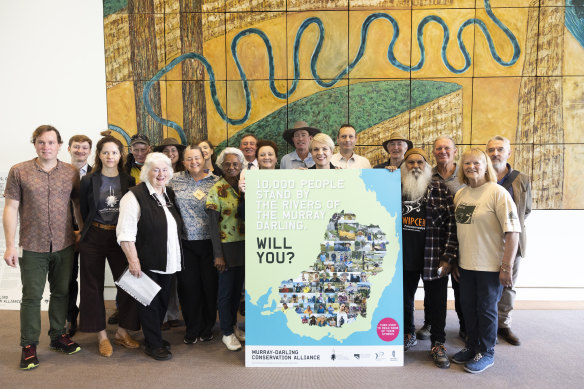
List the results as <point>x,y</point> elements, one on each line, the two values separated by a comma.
<point>40,191</point>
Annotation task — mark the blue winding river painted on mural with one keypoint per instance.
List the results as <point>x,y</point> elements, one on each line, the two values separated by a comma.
<point>574,18</point>
<point>315,56</point>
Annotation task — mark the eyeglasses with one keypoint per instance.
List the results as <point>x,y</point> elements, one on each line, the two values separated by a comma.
<point>227,165</point>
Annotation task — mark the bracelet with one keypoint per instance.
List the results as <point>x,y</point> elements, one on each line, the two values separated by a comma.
<point>504,270</point>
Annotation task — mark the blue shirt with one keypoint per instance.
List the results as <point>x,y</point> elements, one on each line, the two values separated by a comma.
<point>502,181</point>
<point>191,197</point>
<point>293,161</point>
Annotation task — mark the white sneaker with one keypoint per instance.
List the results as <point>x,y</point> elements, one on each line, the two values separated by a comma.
<point>231,342</point>
<point>239,333</point>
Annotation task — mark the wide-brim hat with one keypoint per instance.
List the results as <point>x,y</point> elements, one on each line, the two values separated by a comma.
<point>396,135</point>
<point>169,142</point>
<point>299,125</point>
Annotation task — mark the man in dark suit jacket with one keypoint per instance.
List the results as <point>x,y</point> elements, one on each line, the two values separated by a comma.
<point>79,149</point>
<point>519,186</point>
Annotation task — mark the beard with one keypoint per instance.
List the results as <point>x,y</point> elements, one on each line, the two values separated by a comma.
<point>498,164</point>
<point>415,182</point>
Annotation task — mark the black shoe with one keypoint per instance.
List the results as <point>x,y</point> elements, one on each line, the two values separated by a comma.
<point>176,323</point>
<point>424,332</point>
<point>439,356</point>
<point>28,359</point>
<point>72,330</point>
<point>190,339</point>
<point>160,354</point>
<point>410,341</point>
<point>207,338</point>
<point>509,336</point>
<point>65,345</point>
<point>165,344</point>
<point>113,319</point>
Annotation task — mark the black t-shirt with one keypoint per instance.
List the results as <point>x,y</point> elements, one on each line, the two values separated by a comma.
<point>414,233</point>
<point>110,194</point>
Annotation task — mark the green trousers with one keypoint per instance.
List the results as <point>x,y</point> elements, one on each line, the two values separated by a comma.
<point>34,268</point>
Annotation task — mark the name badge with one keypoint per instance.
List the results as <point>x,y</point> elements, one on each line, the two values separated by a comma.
<point>199,194</point>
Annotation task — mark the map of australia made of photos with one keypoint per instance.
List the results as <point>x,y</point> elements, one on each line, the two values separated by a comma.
<point>333,291</point>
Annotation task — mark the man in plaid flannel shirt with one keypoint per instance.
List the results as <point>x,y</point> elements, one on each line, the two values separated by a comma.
<point>429,247</point>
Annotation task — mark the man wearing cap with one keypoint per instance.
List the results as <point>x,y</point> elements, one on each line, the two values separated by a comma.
<point>396,146</point>
<point>139,149</point>
<point>519,186</point>
<point>248,145</point>
<point>346,158</point>
<point>446,172</point>
<point>299,136</point>
<point>429,248</point>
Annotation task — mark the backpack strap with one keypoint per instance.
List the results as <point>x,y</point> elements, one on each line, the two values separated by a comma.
<point>512,176</point>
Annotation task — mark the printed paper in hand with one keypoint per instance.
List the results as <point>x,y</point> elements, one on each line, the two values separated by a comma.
<point>143,289</point>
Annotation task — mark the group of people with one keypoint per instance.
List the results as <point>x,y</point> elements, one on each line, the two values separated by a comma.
<point>469,224</point>
<point>175,214</point>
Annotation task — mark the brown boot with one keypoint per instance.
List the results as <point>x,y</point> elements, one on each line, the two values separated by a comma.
<point>509,336</point>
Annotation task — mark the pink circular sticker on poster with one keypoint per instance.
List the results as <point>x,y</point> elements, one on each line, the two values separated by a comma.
<point>387,329</point>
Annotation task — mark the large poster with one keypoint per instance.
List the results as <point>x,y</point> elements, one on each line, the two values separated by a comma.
<point>323,268</point>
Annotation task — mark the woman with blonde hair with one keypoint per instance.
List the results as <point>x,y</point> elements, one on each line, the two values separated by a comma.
<point>321,148</point>
<point>488,234</point>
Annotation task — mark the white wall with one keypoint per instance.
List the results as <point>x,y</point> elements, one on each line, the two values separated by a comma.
<point>53,72</point>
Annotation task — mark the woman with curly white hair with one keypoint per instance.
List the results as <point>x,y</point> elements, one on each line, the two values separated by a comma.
<point>228,238</point>
<point>148,230</point>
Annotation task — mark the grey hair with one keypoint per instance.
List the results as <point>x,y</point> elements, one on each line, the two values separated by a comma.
<point>323,139</point>
<point>506,141</point>
<point>151,160</point>
<point>226,152</point>
<point>444,137</point>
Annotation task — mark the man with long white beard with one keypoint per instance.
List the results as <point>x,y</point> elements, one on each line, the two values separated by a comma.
<point>429,248</point>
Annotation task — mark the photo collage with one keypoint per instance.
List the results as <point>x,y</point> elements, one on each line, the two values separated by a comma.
<point>334,290</point>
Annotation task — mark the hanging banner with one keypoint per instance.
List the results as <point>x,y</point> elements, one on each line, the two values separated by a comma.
<point>323,268</point>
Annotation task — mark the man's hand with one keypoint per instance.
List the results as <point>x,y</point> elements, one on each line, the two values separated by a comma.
<point>444,269</point>
<point>11,256</point>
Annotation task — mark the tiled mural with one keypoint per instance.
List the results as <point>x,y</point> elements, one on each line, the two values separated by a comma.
<point>466,68</point>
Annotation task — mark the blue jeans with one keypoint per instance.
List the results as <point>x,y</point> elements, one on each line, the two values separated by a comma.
<point>479,294</point>
<point>228,296</point>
